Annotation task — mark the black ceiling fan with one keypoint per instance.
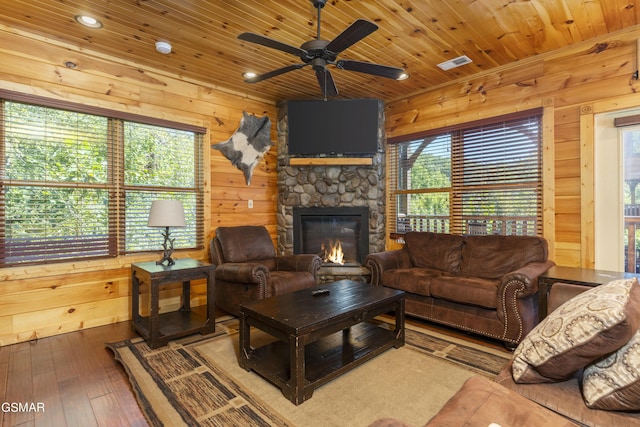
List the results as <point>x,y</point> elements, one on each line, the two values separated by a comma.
<point>319,53</point>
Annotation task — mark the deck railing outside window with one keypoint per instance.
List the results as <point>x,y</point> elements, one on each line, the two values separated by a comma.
<point>632,238</point>
<point>480,225</point>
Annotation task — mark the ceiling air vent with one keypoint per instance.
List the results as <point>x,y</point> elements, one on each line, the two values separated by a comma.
<point>455,62</point>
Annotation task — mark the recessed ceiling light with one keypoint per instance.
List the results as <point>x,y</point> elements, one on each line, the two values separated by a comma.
<point>403,76</point>
<point>88,21</point>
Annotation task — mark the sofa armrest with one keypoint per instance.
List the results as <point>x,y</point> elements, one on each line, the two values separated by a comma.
<point>299,262</point>
<point>518,300</point>
<point>380,261</point>
<point>243,272</point>
<point>527,277</point>
<point>482,402</point>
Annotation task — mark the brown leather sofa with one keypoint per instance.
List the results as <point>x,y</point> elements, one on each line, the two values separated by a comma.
<point>560,398</point>
<point>482,284</point>
<point>480,402</point>
<point>248,269</point>
<point>566,397</point>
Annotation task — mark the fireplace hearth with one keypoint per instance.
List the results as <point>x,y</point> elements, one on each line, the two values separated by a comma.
<point>339,235</point>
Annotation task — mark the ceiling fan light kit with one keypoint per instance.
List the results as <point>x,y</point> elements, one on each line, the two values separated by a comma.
<point>319,53</point>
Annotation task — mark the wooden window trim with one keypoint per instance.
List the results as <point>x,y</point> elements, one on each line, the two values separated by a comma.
<point>98,111</point>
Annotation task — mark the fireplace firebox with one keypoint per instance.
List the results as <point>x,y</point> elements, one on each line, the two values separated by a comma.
<point>339,235</point>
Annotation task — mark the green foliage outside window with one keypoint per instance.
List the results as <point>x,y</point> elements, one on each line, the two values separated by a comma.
<point>68,193</point>
<point>156,156</point>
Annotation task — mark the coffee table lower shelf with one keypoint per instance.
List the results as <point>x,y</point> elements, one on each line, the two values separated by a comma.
<point>324,359</point>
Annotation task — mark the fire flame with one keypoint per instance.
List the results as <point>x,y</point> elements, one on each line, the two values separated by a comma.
<point>333,252</point>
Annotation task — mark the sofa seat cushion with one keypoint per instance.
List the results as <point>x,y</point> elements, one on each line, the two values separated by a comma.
<point>585,328</point>
<point>435,250</point>
<point>282,282</point>
<point>466,290</point>
<point>492,257</point>
<point>412,280</point>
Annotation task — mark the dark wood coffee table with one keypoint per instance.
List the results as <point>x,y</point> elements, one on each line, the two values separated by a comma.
<point>319,337</point>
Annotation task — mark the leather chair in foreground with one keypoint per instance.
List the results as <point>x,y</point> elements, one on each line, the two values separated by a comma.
<point>248,269</point>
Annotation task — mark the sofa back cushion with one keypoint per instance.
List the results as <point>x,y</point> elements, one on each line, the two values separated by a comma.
<point>435,250</point>
<point>493,256</point>
<point>245,243</point>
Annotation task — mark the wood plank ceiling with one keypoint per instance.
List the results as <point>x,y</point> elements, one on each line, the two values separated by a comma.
<point>414,34</point>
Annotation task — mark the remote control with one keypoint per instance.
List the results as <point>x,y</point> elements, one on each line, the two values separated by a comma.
<point>319,292</point>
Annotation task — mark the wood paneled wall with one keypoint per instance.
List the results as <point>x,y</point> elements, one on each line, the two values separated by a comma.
<point>38,301</point>
<point>572,85</point>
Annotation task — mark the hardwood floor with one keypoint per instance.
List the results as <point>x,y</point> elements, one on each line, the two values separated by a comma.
<point>75,379</point>
<point>68,380</point>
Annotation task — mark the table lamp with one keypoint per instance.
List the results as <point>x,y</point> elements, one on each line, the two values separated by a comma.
<point>166,213</point>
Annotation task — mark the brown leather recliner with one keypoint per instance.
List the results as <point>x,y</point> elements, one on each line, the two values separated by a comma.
<point>248,269</point>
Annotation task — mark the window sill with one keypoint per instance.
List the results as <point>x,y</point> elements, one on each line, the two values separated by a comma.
<point>88,266</point>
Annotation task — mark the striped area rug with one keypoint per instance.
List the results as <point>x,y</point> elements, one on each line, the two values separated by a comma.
<point>197,381</point>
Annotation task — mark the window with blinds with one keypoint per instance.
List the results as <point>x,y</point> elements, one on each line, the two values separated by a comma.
<point>78,182</point>
<point>479,178</point>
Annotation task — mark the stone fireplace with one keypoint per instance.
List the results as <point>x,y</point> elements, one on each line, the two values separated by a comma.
<point>327,183</point>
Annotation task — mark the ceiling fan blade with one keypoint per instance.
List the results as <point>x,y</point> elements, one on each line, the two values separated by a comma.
<point>327,85</point>
<point>274,44</point>
<point>355,32</point>
<point>274,73</point>
<point>370,68</point>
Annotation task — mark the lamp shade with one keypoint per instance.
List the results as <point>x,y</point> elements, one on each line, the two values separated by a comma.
<point>166,213</point>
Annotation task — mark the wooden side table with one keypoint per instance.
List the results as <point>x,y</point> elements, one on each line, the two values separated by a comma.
<point>574,276</point>
<point>158,329</point>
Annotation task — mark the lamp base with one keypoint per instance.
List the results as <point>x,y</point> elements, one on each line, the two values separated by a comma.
<point>168,249</point>
<point>170,261</point>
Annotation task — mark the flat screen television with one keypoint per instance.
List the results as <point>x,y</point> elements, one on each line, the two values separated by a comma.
<point>336,127</point>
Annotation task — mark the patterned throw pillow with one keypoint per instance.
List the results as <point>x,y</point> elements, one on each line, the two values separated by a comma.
<point>585,328</point>
<point>614,382</point>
